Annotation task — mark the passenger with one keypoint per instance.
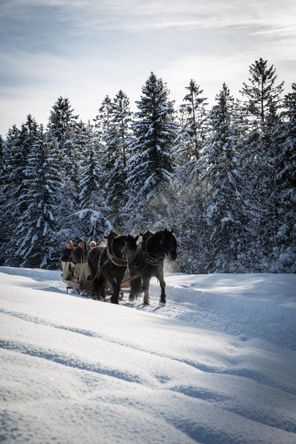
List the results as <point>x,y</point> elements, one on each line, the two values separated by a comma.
<point>79,257</point>
<point>103,243</point>
<point>92,245</point>
<point>66,259</point>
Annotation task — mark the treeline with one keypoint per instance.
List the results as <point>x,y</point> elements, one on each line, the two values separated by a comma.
<point>223,177</point>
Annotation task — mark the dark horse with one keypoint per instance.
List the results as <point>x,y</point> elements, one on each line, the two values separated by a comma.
<point>147,260</point>
<point>108,265</point>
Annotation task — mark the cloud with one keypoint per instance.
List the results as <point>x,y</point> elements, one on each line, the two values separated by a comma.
<point>134,15</point>
<point>85,49</point>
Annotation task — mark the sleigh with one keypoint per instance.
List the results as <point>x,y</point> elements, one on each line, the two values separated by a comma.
<point>85,287</point>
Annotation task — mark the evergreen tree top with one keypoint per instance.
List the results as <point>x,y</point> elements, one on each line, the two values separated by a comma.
<point>62,120</point>
<point>290,104</point>
<point>261,90</point>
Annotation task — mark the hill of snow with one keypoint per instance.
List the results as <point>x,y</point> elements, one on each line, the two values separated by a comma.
<point>217,364</point>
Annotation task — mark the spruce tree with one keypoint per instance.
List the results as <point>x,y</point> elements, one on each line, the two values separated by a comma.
<point>3,220</point>
<point>1,151</point>
<point>150,166</point>
<point>102,121</point>
<point>91,219</point>
<point>102,139</point>
<point>116,155</point>
<point>62,127</point>
<point>259,163</point>
<point>222,205</point>
<point>193,126</point>
<point>19,143</point>
<point>262,90</point>
<point>37,225</point>
<point>286,185</point>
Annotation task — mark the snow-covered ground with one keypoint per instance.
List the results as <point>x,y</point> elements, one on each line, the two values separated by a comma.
<point>217,364</point>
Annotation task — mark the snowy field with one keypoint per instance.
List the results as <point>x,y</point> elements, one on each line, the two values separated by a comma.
<point>217,364</point>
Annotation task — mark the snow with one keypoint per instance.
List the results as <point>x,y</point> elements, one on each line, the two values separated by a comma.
<point>217,364</point>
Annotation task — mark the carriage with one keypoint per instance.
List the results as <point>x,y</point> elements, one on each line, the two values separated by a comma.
<point>123,265</point>
<point>86,287</point>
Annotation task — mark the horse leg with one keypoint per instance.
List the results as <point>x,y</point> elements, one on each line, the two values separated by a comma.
<point>146,291</point>
<point>98,291</point>
<point>115,293</point>
<point>103,290</point>
<point>95,289</point>
<point>160,277</point>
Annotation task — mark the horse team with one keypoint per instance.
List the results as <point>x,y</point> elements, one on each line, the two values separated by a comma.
<point>140,260</point>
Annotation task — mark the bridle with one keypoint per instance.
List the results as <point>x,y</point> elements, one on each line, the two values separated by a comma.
<point>117,261</point>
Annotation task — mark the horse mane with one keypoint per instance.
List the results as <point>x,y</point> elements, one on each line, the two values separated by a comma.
<point>157,242</point>
<point>153,242</point>
<point>111,236</point>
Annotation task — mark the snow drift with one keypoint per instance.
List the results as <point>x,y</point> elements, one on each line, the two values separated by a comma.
<point>216,365</point>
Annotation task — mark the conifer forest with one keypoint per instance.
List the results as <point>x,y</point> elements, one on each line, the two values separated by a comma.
<point>221,175</point>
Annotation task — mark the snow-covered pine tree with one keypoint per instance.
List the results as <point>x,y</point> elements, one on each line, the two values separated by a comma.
<point>1,151</point>
<point>83,138</point>
<point>150,166</point>
<point>224,235</point>
<point>9,187</point>
<point>262,90</point>
<point>90,220</point>
<point>18,147</point>
<point>116,155</point>
<point>186,200</point>
<point>121,120</point>
<point>37,225</point>
<point>258,164</point>
<point>102,120</point>
<point>103,139</point>
<point>267,191</point>
<point>193,123</point>
<point>2,198</point>
<point>286,186</point>
<point>62,127</point>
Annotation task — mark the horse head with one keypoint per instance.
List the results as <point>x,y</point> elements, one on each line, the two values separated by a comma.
<point>170,244</point>
<point>131,246</point>
<point>161,243</point>
<point>116,244</point>
<point>132,242</point>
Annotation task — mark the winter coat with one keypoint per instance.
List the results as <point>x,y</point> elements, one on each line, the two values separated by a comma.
<point>67,254</point>
<point>79,255</point>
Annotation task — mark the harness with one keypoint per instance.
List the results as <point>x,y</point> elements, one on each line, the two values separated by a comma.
<point>111,257</point>
<point>149,258</point>
<point>118,261</point>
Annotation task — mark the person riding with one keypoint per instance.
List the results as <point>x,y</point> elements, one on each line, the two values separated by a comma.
<point>66,261</point>
<point>79,258</point>
<point>92,245</point>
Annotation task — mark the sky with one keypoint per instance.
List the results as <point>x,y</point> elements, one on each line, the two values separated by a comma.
<point>86,49</point>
